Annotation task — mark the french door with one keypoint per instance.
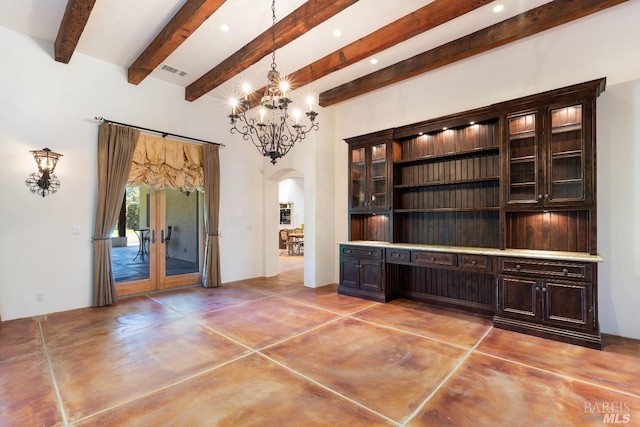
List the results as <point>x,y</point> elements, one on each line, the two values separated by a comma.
<point>162,247</point>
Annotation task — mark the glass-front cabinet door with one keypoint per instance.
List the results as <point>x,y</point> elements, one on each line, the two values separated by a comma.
<point>523,158</point>
<point>546,156</point>
<point>378,196</point>
<point>358,178</point>
<point>369,168</point>
<point>565,175</point>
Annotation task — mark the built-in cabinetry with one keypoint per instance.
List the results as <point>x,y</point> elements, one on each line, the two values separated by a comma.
<point>548,296</point>
<point>370,181</point>
<point>362,272</point>
<point>492,210</point>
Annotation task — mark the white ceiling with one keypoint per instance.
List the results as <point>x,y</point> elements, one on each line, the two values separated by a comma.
<point>118,31</point>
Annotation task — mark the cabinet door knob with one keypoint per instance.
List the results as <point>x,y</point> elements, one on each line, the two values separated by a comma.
<point>433,258</point>
<point>544,289</point>
<point>546,196</point>
<point>537,288</point>
<point>474,262</point>
<point>565,271</point>
<point>370,253</point>
<point>518,266</point>
<point>539,196</point>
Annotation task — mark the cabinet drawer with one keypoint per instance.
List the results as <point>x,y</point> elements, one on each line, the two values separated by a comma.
<point>475,262</point>
<point>361,252</point>
<point>574,270</point>
<point>398,256</point>
<point>433,258</point>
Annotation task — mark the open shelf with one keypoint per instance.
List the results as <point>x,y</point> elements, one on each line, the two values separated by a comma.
<point>442,183</point>
<point>443,156</point>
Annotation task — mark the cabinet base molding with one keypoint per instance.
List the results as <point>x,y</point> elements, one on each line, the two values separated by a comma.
<point>557,334</point>
<point>448,302</point>
<point>365,294</point>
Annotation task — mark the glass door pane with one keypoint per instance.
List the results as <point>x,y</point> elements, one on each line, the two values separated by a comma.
<point>522,158</point>
<point>567,154</point>
<point>379,176</point>
<point>358,178</point>
<point>181,233</point>
<point>130,254</point>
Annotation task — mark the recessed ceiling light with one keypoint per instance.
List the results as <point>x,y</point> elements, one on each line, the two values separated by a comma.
<point>498,8</point>
<point>373,61</point>
<point>224,28</point>
<point>337,33</point>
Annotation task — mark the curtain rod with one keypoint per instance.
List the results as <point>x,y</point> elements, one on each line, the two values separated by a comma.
<point>164,134</point>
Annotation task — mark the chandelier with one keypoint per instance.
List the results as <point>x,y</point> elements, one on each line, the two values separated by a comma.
<point>273,131</point>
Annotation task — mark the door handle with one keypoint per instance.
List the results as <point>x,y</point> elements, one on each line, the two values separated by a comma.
<point>153,236</point>
<point>162,236</point>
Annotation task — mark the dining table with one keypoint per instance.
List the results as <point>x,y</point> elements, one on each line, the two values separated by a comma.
<point>298,242</point>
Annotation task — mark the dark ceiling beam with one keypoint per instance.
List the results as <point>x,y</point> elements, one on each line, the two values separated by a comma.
<point>420,21</point>
<point>298,22</point>
<point>534,21</point>
<point>190,16</point>
<point>73,22</point>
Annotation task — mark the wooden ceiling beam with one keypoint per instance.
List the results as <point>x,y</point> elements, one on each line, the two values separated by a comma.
<point>72,25</point>
<point>417,22</point>
<point>534,21</point>
<point>298,22</point>
<point>187,20</point>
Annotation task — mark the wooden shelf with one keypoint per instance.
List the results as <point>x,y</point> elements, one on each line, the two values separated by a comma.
<point>567,181</point>
<point>451,155</point>
<point>486,209</point>
<point>569,127</point>
<point>522,135</point>
<point>567,154</point>
<point>522,159</point>
<point>439,183</point>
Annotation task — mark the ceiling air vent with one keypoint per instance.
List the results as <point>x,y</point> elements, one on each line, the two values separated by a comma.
<point>173,70</point>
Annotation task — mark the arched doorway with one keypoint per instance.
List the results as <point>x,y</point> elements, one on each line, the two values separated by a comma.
<point>285,207</point>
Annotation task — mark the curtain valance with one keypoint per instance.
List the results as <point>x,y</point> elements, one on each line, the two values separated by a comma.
<point>166,163</point>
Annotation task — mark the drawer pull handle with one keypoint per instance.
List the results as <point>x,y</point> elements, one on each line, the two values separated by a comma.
<point>370,253</point>
<point>518,266</point>
<point>565,271</point>
<point>474,262</point>
<point>433,258</point>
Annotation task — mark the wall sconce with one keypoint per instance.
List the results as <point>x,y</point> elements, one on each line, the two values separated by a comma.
<point>44,181</point>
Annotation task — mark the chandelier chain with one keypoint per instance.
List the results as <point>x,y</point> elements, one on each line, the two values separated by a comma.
<point>273,34</point>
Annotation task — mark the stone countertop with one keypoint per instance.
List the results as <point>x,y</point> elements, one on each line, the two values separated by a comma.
<point>520,253</point>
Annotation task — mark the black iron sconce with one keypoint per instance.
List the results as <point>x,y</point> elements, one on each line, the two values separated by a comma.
<point>44,181</point>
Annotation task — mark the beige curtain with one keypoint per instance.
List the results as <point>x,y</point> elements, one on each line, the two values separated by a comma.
<point>116,145</point>
<point>211,163</point>
<point>163,163</point>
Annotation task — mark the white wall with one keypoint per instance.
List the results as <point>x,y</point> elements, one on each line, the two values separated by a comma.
<point>48,104</point>
<point>601,45</point>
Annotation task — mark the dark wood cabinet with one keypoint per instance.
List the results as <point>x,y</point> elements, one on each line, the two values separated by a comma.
<point>548,298</point>
<point>549,155</point>
<point>369,167</point>
<point>370,183</point>
<point>492,210</point>
<point>362,272</point>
